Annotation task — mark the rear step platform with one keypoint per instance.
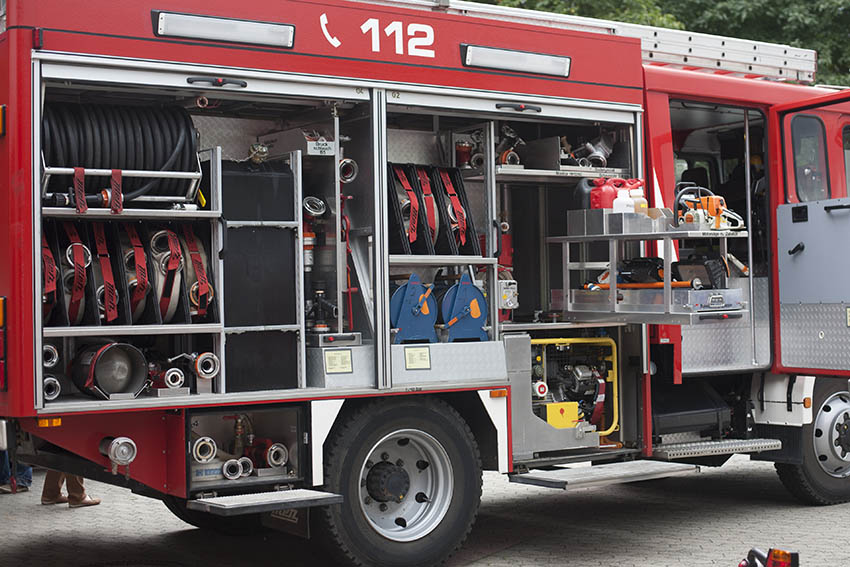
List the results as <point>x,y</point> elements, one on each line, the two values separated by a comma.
<point>263,502</point>
<point>603,475</point>
<point>673,451</point>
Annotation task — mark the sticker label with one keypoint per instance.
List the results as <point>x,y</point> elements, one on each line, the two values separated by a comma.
<point>417,358</point>
<point>848,316</point>
<point>338,361</point>
<point>321,148</point>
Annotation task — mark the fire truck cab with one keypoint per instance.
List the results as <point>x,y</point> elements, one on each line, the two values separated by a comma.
<point>315,265</point>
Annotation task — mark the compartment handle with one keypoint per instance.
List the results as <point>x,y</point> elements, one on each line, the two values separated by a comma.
<point>519,107</point>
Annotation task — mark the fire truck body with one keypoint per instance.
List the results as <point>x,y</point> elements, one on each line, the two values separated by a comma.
<point>337,257</point>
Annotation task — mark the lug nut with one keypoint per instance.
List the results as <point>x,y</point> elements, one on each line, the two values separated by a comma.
<point>385,456</point>
<point>383,507</point>
<point>399,463</point>
<point>368,500</point>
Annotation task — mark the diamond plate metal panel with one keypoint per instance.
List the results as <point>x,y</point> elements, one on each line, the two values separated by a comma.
<point>234,135</point>
<point>452,362</point>
<point>815,335</point>
<point>410,146</point>
<point>725,346</point>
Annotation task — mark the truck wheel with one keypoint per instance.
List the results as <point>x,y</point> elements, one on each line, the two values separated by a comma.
<point>410,473</point>
<point>238,525</point>
<point>824,476</point>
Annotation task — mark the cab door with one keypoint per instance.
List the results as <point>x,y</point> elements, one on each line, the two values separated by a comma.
<point>811,235</point>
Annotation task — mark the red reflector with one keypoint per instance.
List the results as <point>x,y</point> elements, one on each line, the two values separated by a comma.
<point>780,558</point>
<point>2,375</point>
<point>2,344</point>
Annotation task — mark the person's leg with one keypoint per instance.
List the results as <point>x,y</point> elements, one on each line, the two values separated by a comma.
<point>52,491</point>
<point>77,496</point>
<point>5,471</point>
<point>24,475</point>
<point>76,490</point>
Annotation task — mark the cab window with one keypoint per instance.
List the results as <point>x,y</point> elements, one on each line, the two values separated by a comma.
<point>846,136</point>
<point>811,174</point>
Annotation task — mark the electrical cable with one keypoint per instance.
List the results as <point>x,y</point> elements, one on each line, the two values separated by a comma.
<point>118,137</point>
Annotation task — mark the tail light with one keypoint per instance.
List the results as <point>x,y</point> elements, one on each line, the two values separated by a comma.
<point>780,558</point>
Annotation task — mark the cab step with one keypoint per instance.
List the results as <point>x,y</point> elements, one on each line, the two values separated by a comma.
<point>258,502</point>
<point>566,478</point>
<point>674,451</point>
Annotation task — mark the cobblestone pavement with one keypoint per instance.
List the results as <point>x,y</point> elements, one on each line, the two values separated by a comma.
<point>707,519</point>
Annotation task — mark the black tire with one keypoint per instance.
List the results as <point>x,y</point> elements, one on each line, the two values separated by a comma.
<point>345,530</point>
<point>239,525</point>
<point>809,482</point>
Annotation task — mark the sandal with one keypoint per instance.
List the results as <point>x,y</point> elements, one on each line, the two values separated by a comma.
<point>87,501</point>
<point>61,499</point>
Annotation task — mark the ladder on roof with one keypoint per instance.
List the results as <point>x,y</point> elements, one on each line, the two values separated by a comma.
<point>660,46</point>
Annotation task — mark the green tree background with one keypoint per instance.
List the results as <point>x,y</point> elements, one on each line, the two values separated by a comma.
<point>823,25</point>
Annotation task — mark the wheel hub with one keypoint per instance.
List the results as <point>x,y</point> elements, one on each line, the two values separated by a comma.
<point>406,485</point>
<point>387,482</point>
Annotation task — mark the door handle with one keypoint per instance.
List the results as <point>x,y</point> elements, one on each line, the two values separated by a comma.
<point>217,81</point>
<point>830,208</point>
<point>518,107</point>
<point>798,248</point>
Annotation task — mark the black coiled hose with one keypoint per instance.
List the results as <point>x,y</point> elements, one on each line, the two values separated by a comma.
<point>99,136</point>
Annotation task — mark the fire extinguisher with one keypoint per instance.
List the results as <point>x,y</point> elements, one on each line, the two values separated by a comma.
<point>314,209</point>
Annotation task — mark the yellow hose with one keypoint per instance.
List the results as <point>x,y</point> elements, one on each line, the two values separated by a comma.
<point>613,373</point>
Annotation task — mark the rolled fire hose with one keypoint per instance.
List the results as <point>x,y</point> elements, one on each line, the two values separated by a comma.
<point>163,245</point>
<point>68,280</point>
<point>141,138</point>
<point>135,262</point>
<point>196,272</point>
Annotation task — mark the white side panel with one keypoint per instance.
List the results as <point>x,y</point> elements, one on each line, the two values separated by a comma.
<point>497,409</point>
<point>322,417</point>
<point>776,400</point>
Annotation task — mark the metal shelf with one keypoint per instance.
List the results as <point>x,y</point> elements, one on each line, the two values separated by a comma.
<point>567,174</point>
<point>563,325</point>
<point>654,318</point>
<point>128,330</point>
<point>441,260</point>
<point>169,214</point>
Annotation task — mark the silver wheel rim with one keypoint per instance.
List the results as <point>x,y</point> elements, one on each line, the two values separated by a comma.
<point>425,503</point>
<point>831,434</point>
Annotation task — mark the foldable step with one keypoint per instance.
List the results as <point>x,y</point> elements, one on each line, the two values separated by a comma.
<point>603,475</point>
<point>675,451</point>
<point>263,502</point>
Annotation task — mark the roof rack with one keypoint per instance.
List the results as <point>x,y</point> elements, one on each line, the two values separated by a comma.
<point>660,46</point>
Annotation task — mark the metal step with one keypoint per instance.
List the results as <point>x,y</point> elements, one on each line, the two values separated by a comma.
<point>603,475</point>
<point>675,451</point>
<point>576,456</point>
<point>263,502</point>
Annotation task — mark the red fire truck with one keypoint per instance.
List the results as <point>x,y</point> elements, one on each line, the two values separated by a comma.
<point>321,262</point>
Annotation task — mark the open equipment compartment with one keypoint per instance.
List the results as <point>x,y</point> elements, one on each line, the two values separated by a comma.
<point>229,450</point>
<point>216,240</point>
